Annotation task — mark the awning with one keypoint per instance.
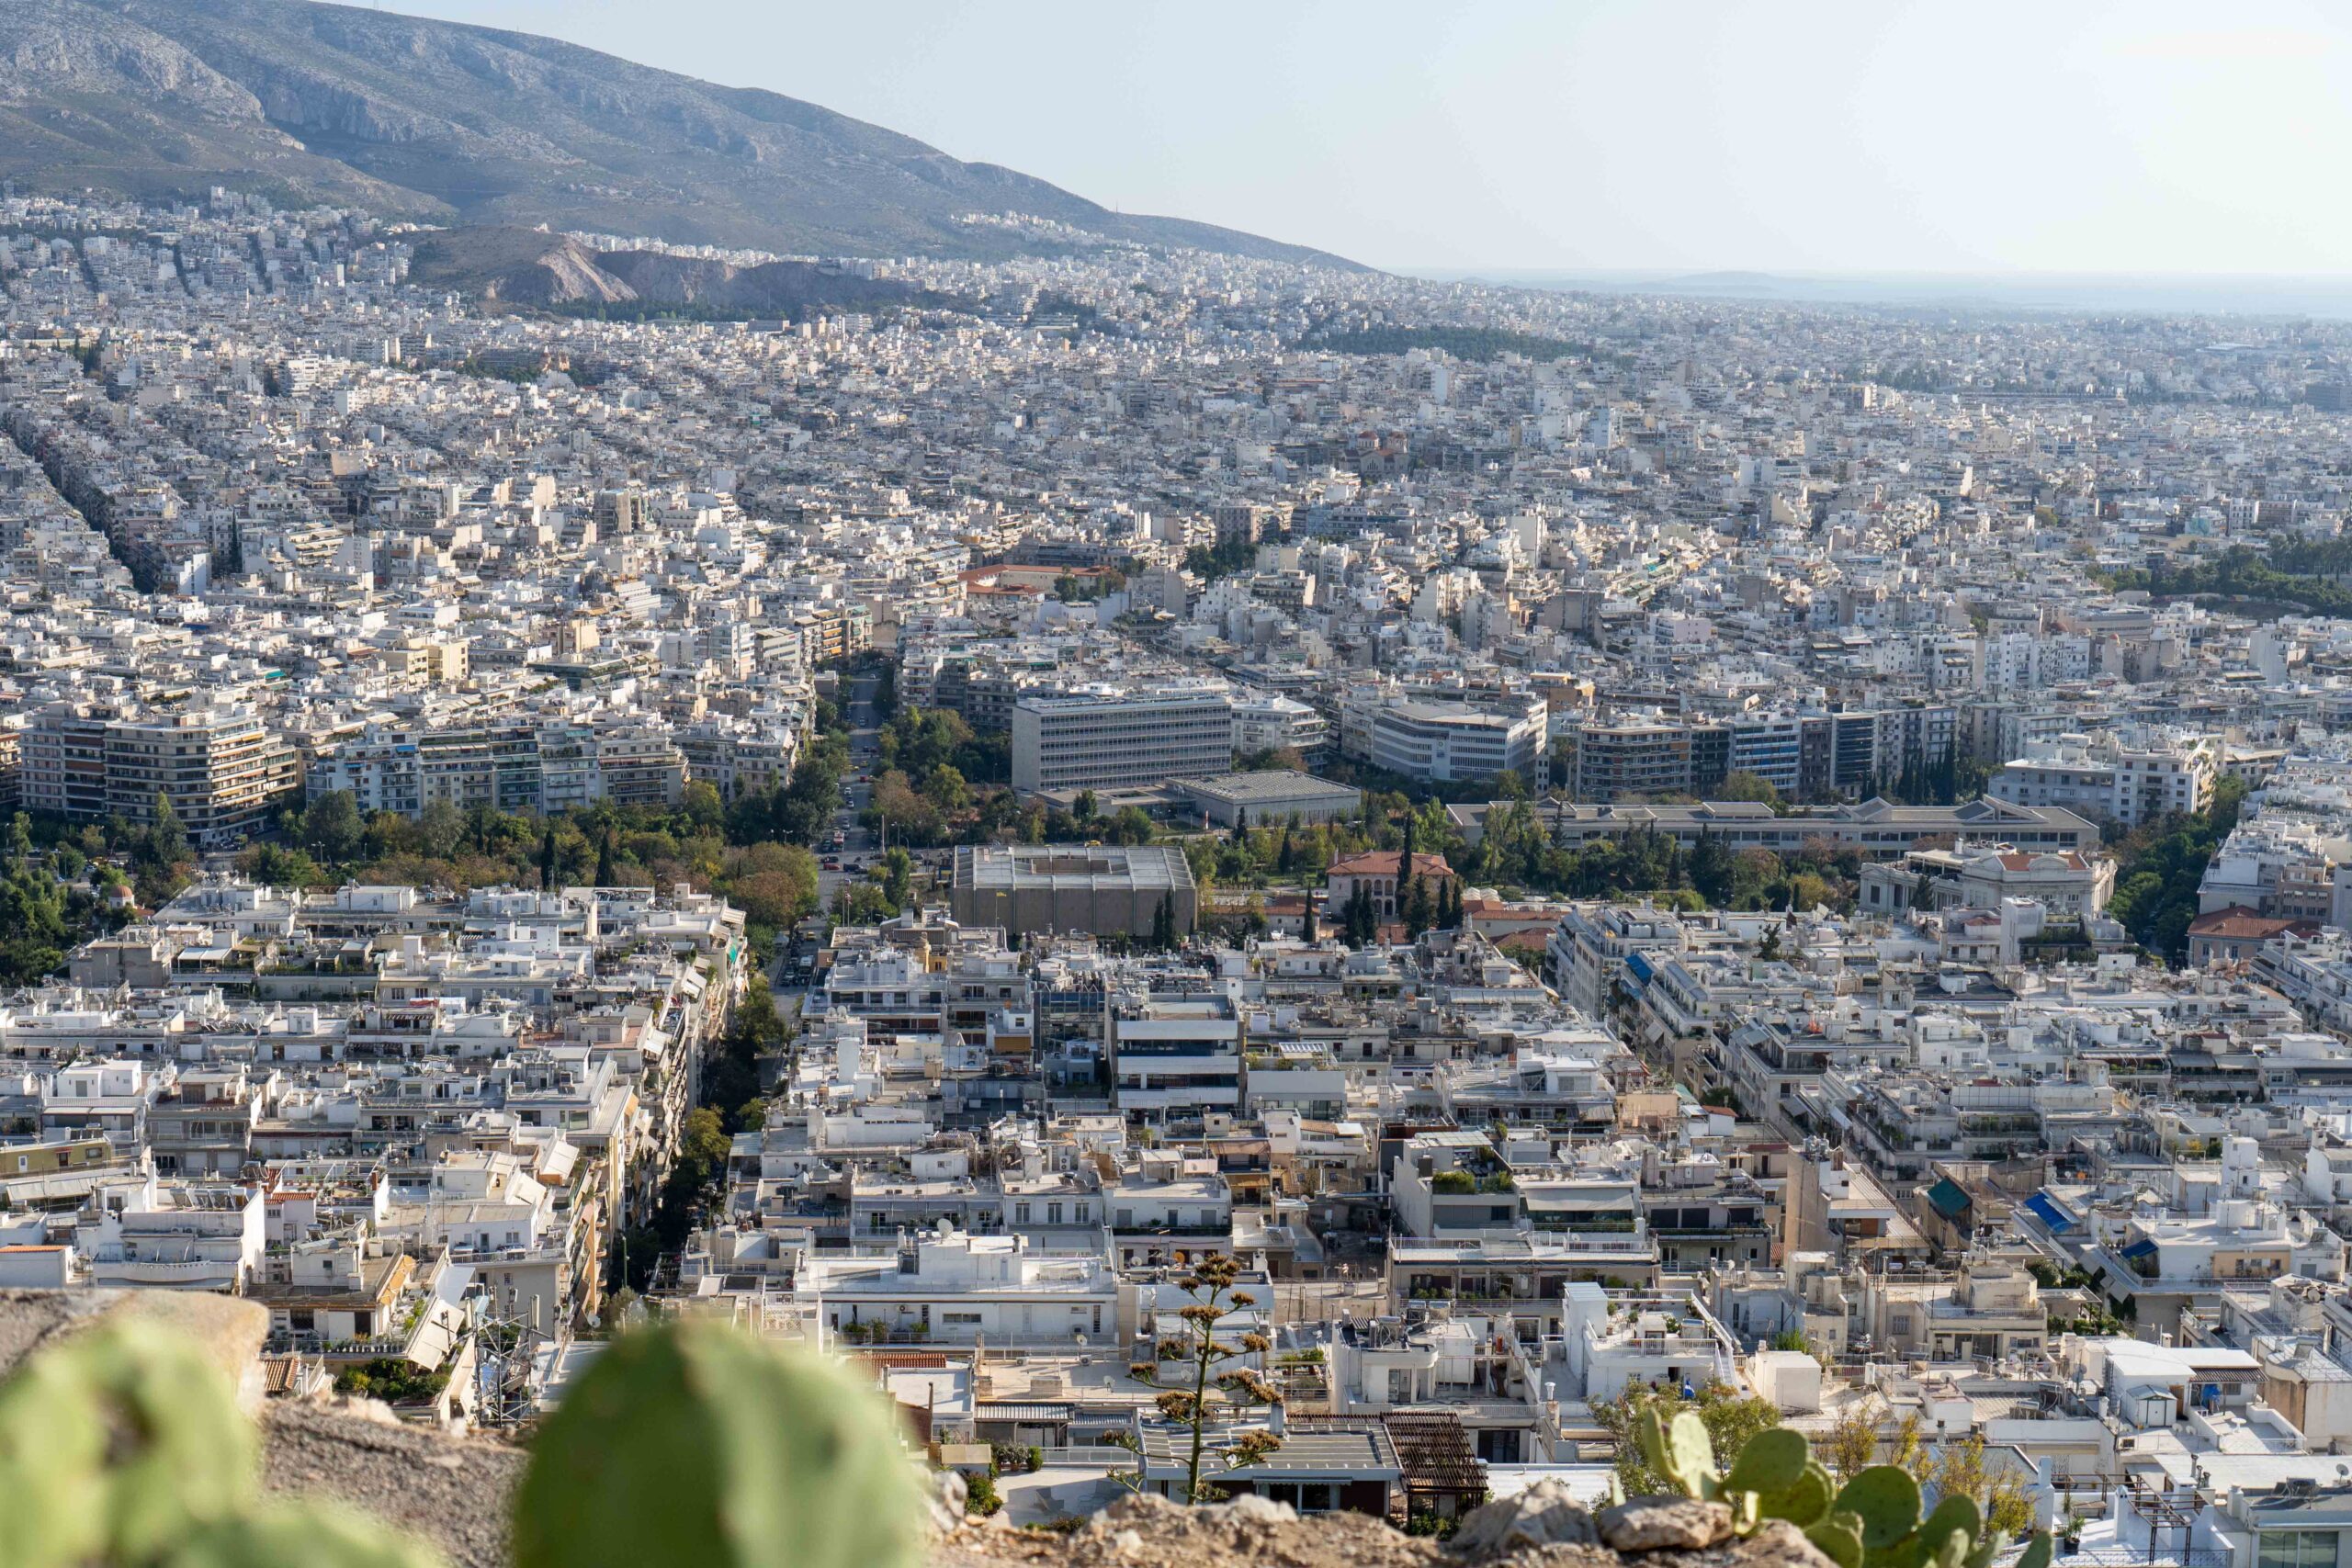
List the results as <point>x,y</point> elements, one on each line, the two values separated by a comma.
<point>1023,1414</point>
<point>1947,1198</point>
<point>2041,1206</point>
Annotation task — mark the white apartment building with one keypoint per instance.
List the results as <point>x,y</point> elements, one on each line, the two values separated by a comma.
<point>950,1286</point>
<point>220,768</point>
<point>1442,741</point>
<point>1116,738</point>
<point>1267,722</point>
<point>2105,777</point>
<point>519,767</point>
<point>1174,1058</point>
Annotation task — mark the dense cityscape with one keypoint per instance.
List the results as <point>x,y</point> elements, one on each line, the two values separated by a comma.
<point>1564,852</point>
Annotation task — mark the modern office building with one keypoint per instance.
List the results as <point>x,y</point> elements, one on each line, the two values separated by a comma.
<point>1175,1058</point>
<point>1805,756</point>
<point>1440,742</point>
<point>1110,737</point>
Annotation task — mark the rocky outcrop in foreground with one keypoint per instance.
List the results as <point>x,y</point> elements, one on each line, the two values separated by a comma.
<point>451,1491</point>
<point>1542,1528</point>
<point>457,1491</point>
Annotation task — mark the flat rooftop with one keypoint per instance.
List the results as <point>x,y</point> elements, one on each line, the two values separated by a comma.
<point>1007,868</point>
<point>1285,784</point>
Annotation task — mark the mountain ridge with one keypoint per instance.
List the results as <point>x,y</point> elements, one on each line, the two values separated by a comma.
<point>450,123</point>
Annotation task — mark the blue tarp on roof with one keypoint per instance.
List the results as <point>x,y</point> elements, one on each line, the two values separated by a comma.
<point>2047,1212</point>
<point>2142,1249</point>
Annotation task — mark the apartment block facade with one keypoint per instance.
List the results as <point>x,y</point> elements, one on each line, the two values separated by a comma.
<point>221,769</point>
<point>515,768</point>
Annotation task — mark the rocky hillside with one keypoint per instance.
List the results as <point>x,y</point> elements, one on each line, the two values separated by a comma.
<point>516,266</point>
<point>428,118</point>
<point>530,267</point>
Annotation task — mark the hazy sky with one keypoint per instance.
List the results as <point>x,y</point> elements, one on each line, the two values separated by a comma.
<point>2147,137</point>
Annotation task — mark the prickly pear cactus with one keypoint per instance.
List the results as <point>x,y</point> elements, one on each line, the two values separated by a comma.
<point>114,1444</point>
<point>696,1443</point>
<point>1872,1522</point>
<point>124,1447</point>
<point>1679,1450</point>
<point>52,1443</point>
<point>1772,1462</point>
<point>179,1452</point>
<point>299,1535</point>
<point>1839,1538</point>
<point>1885,1497</point>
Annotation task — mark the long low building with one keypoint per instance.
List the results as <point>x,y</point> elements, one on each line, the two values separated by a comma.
<point>1269,799</point>
<point>1054,888</point>
<point>1880,828</point>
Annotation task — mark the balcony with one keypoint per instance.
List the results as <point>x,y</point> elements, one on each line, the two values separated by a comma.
<point>194,1276</point>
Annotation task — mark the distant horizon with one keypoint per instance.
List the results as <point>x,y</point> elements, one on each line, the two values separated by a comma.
<point>2244,294</point>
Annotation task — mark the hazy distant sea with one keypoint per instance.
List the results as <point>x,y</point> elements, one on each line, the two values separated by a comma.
<point>2077,292</point>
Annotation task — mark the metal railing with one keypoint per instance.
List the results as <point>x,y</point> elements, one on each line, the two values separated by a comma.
<point>2141,1556</point>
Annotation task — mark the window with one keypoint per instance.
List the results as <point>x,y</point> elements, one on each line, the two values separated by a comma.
<point>2296,1549</point>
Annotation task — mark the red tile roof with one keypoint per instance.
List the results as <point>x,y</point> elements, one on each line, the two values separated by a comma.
<point>1382,863</point>
<point>2238,923</point>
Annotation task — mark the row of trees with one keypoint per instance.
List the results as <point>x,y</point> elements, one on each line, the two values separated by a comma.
<point>157,851</point>
<point>2158,868</point>
<point>2308,575</point>
<point>1517,851</point>
<point>45,907</point>
<point>799,811</point>
<point>730,1102</point>
<point>1209,562</point>
<point>320,845</point>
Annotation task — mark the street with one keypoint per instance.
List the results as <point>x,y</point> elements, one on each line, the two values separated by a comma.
<point>864,749</point>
